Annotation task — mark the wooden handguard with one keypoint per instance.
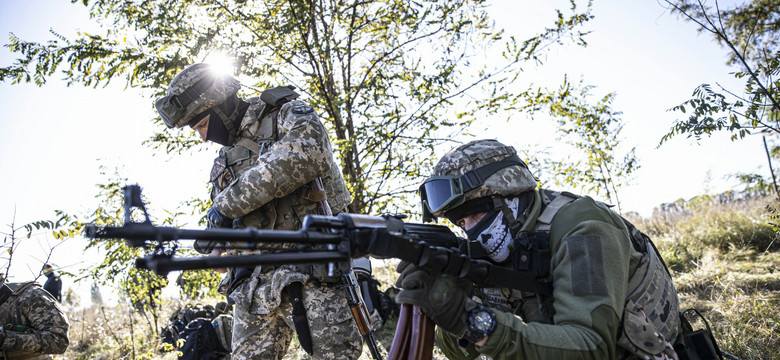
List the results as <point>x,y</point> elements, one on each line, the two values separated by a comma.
<point>363,321</point>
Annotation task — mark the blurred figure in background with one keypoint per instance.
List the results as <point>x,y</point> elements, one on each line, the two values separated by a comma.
<point>53,283</point>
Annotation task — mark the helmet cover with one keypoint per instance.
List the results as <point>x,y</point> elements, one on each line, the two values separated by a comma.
<point>511,180</point>
<point>193,91</point>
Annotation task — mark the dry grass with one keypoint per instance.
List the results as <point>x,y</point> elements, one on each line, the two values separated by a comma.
<point>725,262</point>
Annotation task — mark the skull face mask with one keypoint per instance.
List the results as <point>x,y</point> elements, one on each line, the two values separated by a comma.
<point>493,230</point>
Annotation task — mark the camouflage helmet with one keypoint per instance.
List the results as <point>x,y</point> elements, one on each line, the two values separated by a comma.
<point>483,168</point>
<point>193,91</point>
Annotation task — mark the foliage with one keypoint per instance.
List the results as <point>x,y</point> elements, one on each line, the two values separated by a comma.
<point>749,32</point>
<point>197,284</point>
<point>594,132</point>
<point>61,229</point>
<point>724,259</point>
<point>113,332</point>
<point>393,78</point>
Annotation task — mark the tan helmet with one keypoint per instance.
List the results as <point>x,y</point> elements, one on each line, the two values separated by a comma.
<point>478,169</point>
<point>193,91</point>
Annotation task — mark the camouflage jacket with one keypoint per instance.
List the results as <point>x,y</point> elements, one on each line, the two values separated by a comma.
<point>597,275</point>
<point>44,327</point>
<point>264,180</point>
<point>294,149</point>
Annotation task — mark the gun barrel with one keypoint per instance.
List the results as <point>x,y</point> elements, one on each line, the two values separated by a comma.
<point>135,232</point>
<point>162,265</point>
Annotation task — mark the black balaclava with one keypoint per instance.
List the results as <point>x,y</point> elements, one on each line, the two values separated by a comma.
<point>223,128</point>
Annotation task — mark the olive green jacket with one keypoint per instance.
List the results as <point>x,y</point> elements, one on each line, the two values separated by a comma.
<point>592,258</point>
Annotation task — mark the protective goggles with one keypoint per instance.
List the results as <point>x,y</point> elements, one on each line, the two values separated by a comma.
<point>440,192</point>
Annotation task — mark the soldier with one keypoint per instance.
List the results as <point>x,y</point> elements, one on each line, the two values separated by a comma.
<point>602,290</point>
<point>33,323</point>
<point>53,282</point>
<point>274,146</point>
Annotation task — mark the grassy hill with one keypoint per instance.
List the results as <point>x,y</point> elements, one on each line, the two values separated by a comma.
<point>724,256</point>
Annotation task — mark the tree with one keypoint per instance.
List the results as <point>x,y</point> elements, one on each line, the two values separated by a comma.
<point>750,33</point>
<point>61,229</point>
<point>393,79</point>
<point>594,132</point>
<point>141,287</point>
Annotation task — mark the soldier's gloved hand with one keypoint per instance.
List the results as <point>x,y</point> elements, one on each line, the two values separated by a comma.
<point>442,297</point>
<point>204,246</point>
<point>217,220</point>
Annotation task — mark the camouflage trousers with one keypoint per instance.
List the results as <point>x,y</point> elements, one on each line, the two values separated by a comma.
<point>333,331</point>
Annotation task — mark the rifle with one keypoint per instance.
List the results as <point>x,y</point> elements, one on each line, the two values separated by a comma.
<point>333,240</point>
<point>352,289</point>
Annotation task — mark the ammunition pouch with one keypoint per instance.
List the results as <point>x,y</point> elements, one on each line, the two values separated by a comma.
<point>317,271</point>
<point>531,253</point>
<point>697,344</point>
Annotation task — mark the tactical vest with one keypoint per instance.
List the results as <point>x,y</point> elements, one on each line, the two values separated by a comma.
<point>285,213</point>
<point>650,288</point>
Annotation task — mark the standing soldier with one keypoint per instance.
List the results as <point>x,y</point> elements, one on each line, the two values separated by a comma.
<point>601,290</point>
<point>53,282</point>
<point>33,323</point>
<point>274,146</point>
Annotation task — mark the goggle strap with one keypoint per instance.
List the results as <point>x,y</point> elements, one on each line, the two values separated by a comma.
<point>475,178</point>
<point>190,94</point>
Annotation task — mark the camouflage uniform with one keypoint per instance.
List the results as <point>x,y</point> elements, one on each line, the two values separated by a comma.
<point>43,328</point>
<point>261,179</point>
<point>270,191</point>
<point>600,268</point>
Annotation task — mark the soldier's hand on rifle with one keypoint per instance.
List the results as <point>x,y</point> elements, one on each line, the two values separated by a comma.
<point>444,298</point>
<point>217,220</point>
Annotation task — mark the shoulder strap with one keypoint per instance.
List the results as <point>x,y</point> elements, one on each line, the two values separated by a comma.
<point>5,293</point>
<point>274,98</point>
<point>249,144</point>
<point>544,220</point>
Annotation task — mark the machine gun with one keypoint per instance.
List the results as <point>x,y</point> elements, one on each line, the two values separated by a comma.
<point>333,240</point>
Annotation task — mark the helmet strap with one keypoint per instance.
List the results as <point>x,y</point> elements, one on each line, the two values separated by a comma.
<point>237,108</point>
<point>515,222</point>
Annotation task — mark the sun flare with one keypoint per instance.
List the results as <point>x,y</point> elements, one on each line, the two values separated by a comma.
<point>221,63</point>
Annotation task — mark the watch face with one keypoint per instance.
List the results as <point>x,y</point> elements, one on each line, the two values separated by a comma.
<point>482,321</point>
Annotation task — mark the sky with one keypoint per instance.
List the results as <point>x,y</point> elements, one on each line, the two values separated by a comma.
<point>57,141</point>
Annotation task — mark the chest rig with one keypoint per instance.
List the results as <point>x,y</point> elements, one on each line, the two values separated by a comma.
<point>530,254</point>
<point>650,287</point>
<point>287,212</point>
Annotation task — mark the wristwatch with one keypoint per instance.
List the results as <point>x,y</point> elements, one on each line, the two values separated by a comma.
<point>481,322</point>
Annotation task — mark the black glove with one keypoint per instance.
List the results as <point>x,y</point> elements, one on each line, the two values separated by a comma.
<point>442,297</point>
<point>204,246</point>
<point>217,220</point>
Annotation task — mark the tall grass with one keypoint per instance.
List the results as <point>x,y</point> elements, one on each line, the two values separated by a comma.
<point>725,262</point>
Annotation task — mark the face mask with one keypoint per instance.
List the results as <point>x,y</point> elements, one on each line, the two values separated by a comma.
<point>494,234</point>
<point>217,131</point>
